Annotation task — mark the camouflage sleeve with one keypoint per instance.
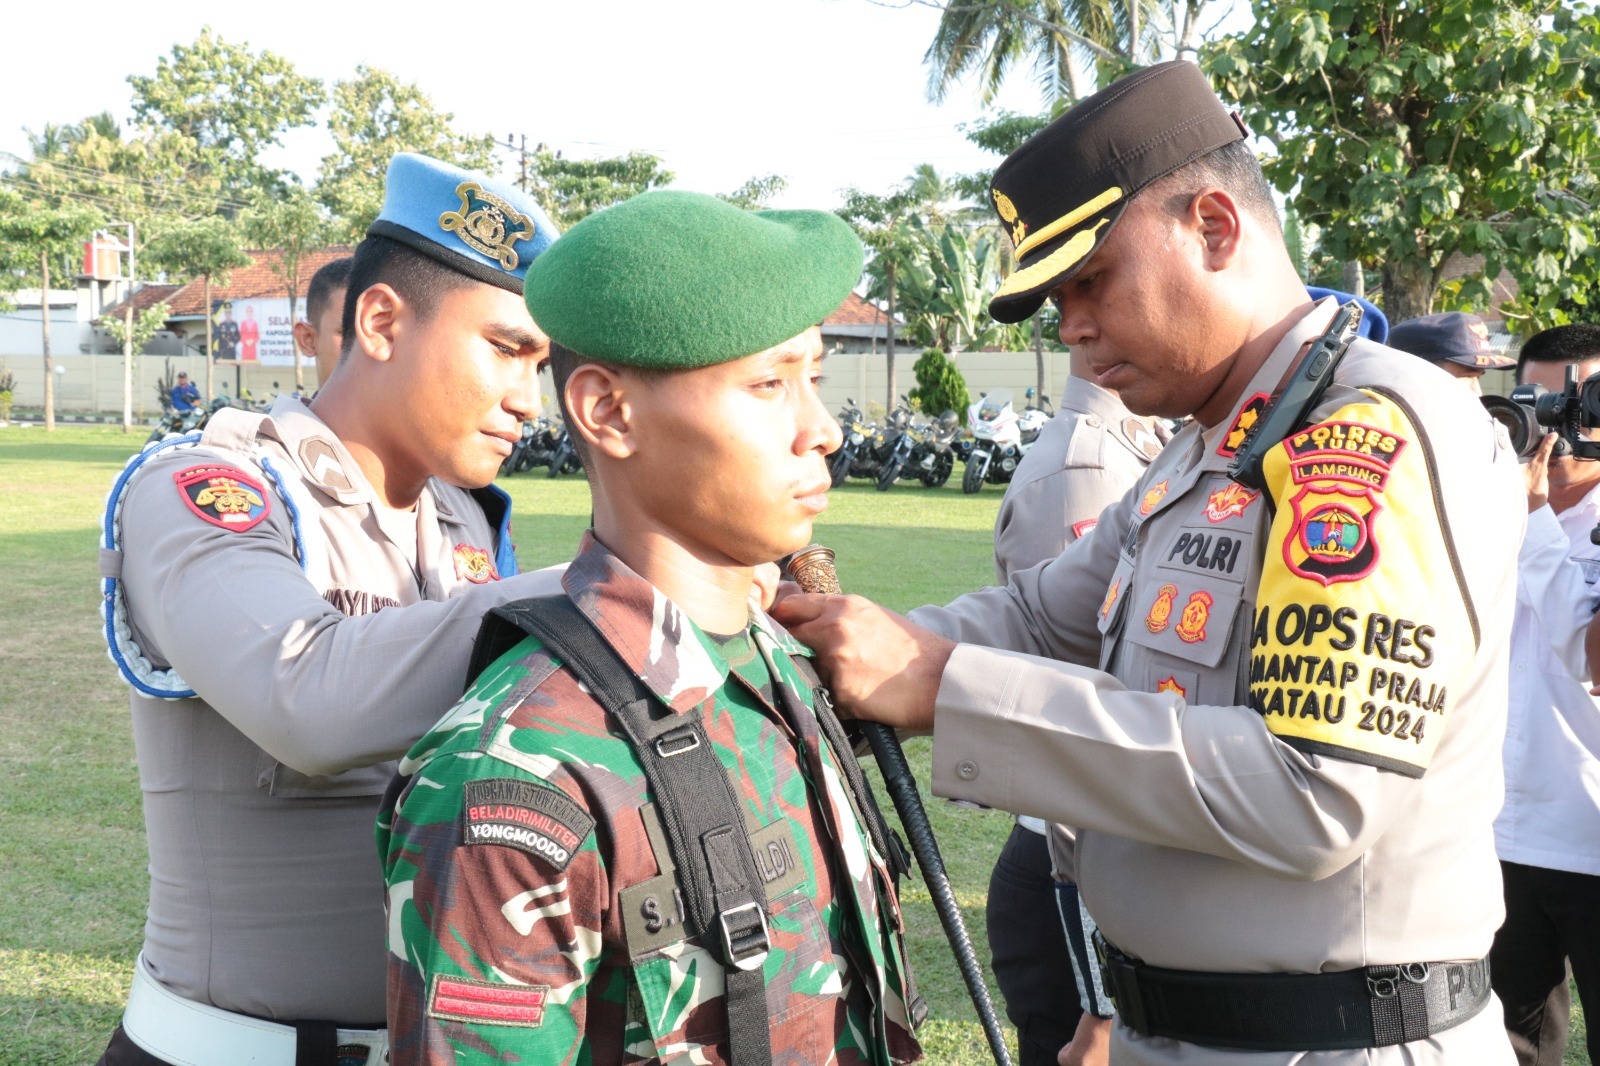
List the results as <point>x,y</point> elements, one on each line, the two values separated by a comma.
<point>497,896</point>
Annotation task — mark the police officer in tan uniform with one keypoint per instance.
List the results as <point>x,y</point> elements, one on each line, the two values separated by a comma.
<point>1089,453</point>
<point>1273,713</point>
<point>293,597</point>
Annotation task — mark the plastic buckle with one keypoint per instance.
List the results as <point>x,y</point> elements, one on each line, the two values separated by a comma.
<point>677,742</point>
<point>746,949</point>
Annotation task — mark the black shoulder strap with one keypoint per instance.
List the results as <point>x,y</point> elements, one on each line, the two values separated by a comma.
<point>700,815</point>
<point>867,809</point>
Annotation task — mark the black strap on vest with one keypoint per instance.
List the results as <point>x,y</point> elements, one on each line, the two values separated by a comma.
<point>700,816</point>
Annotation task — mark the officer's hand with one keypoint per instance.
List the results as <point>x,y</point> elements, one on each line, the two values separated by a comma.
<point>1537,473</point>
<point>879,665</point>
<point>1091,1044</point>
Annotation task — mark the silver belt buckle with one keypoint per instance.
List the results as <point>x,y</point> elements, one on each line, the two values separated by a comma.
<point>357,1047</point>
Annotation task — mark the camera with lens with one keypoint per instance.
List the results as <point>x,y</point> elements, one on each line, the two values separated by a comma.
<point>1531,411</point>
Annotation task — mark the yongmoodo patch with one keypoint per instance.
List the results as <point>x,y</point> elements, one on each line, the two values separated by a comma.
<point>539,820</point>
<point>225,496</point>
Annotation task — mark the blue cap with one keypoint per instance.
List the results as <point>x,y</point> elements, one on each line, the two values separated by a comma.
<point>487,229</point>
<point>1453,337</point>
<point>1374,326</point>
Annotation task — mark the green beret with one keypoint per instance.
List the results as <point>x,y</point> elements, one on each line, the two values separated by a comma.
<point>674,280</point>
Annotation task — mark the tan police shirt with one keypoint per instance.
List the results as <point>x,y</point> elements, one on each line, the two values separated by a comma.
<point>1289,757</point>
<point>314,668</point>
<point>1089,453</point>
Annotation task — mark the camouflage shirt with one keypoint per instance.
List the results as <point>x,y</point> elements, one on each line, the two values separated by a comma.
<point>532,903</point>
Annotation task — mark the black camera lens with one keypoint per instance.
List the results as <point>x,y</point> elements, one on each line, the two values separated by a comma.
<point>1519,422</point>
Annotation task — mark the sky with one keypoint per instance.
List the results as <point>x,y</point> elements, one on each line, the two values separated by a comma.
<point>826,93</point>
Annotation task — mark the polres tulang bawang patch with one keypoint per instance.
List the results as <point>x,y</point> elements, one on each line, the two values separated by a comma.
<point>225,496</point>
<point>536,819</point>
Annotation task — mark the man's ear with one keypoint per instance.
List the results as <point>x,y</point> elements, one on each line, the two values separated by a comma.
<point>598,410</point>
<point>379,312</point>
<point>305,338</point>
<point>1219,221</point>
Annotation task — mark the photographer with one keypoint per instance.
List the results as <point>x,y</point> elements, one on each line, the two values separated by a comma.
<point>1547,832</point>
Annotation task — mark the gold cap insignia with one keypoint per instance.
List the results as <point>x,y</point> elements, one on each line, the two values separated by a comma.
<point>488,224</point>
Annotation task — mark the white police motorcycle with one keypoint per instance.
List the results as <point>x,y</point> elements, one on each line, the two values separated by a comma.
<point>1000,437</point>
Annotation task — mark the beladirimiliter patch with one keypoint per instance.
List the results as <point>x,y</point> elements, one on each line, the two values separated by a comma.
<point>1243,423</point>
<point>488,224</point>
<point>519,814</point>
<point>461,999</point>
<point>473,564</point>
<point>225,496</point>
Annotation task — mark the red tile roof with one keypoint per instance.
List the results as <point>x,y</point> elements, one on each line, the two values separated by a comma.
<point>856,312</point>
<point>255,280</point>
<point>144,299</point>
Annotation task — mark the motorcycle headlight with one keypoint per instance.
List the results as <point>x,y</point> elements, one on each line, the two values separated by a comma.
<point>855,438</point>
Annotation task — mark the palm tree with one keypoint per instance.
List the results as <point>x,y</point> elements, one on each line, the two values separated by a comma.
<point>1072,46</point>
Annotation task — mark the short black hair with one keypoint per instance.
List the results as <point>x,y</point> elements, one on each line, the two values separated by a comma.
<point>1560,344</point>
<point>328,279</point>
<point>420,281</point>
<point>563,361</point>
<point>1233,167</point>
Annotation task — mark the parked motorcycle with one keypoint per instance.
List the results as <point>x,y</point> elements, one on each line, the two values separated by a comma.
<point>891,445</point>
<point>564,455</point>
<point>537,446</point>
<point>933,457</point>
<point>1000,438</point>
<point>176,423</point>
<point>858,435</point>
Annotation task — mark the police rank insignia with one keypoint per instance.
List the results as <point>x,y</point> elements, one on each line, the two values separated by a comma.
<point>225,496</point>
<point>1111,598</point>
<point>1191,628</point>
<point>1243,423</point>
<point>1230,501</point>
<point>474,565</point>
<point>1153,498</point>
<point>1342,468</point>
<point>1161,610</point>
<point>488,224</point>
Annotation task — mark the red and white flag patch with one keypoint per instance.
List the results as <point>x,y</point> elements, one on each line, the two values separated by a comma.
<point>461,999</point>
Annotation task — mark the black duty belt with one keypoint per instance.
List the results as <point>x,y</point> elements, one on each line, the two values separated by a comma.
<point>1372,1007</point>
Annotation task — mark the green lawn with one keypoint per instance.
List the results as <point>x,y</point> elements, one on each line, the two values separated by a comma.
<point>71,841</point>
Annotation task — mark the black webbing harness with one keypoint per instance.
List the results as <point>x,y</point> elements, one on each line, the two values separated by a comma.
<point>724,895</point>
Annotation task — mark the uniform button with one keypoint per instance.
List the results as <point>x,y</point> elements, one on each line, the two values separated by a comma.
<point>966,769</point>
<point>1092,420</point>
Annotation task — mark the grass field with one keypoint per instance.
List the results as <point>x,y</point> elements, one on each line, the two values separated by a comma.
<point>72,858</point>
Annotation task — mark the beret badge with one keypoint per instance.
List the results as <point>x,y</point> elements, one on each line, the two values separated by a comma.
<point>488,224</point>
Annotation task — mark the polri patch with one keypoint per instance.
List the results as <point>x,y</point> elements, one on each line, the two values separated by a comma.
<point>461,999</point>
<point>474,565</point>
<point>225,496</point>
<point>536,819</point>
<point>1331,537</point>
<point>1230,501</point>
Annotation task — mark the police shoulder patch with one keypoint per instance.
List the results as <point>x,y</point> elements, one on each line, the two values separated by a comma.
<point>537,819</point>
<point>225,496</point>
<point>461,999</point>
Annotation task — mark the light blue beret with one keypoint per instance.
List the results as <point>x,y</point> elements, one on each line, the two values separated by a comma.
<point>487,229</point>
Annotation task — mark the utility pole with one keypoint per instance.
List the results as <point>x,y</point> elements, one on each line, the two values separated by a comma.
<point>127,338</point>
<point>519,144</point>
<point>44,308</point>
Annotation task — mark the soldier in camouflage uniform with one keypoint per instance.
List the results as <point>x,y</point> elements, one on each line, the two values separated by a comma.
<point>535,910</point>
